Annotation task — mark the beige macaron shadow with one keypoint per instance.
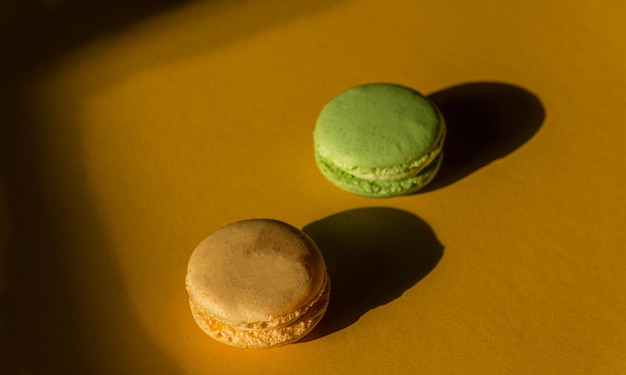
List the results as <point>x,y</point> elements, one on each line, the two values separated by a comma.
<point>257,283</point>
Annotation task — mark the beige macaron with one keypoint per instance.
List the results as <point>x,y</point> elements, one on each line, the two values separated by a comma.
<point>257,283</point>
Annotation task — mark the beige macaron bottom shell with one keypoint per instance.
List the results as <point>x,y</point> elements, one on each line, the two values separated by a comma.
<point>242,336</point>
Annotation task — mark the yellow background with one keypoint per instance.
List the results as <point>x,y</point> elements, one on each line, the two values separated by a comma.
<point>132,131</point>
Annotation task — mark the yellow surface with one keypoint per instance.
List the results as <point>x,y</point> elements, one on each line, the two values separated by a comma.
<point>132,131</point>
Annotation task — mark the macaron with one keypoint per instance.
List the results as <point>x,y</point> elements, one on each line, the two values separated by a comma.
<point>257,283</point>
<point>379,140</point>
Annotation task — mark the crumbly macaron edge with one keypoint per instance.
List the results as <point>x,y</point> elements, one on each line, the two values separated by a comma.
<point>253,335</point>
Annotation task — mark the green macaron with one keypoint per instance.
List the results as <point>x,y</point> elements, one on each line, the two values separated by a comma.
<point>379,140</point>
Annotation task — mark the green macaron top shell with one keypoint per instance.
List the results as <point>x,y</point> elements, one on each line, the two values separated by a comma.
<point>378,130</point>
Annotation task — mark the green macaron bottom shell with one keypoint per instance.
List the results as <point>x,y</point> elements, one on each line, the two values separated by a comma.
<point>377,189</point>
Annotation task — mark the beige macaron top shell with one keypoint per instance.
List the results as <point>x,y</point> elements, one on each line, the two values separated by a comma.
<point>257,273</point>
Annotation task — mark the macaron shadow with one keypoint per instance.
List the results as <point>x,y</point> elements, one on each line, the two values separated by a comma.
<point>485,121</point>
<point>373,255</point>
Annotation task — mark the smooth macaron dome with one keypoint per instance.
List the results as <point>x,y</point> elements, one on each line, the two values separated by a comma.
<point>257,283</point>
<point>379,140</point>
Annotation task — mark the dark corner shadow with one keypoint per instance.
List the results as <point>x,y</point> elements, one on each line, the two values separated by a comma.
<point>42,330</point>
<point>43,30</point>
<point>373,256</point>
<point>486,121</point>
<point>35,32</point>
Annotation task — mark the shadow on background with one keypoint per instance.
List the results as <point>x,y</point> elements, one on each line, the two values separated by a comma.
<point>70,23</point>
<point>373,255</point>
<point>486,121</point>
<point>34,33</point>
<point>50,324</point>
<point>50,233</point>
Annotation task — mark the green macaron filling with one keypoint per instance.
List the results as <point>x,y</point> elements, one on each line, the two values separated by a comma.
<point>377,189</point>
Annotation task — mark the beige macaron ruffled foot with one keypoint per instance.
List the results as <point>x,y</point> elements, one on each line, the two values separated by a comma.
<point>257,283</point>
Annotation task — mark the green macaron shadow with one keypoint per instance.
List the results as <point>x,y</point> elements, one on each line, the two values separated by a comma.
<point>379,140</point>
